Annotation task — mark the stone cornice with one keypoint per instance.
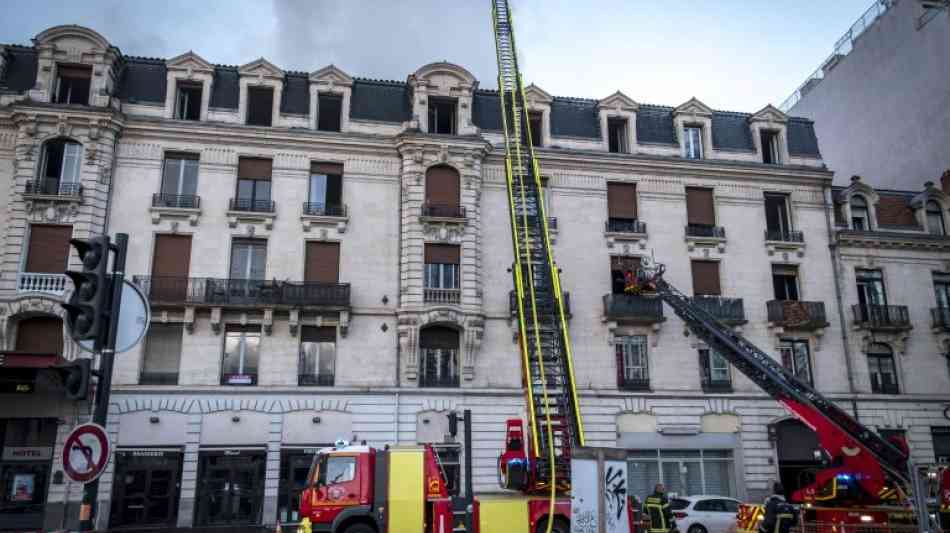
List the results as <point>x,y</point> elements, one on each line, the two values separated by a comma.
<point>893,239</point>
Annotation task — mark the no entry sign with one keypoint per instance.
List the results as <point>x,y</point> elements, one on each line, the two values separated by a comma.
<point>86,453</point>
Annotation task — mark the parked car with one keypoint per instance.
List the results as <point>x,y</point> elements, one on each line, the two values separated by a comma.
<point>705,514</point>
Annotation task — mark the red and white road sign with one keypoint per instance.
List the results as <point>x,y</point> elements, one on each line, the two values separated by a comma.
<point>86,453</point>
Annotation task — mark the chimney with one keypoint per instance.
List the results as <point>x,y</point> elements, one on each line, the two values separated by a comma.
<point>945,181</point>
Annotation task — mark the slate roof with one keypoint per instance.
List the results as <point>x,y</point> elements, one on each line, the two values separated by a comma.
<point>731,131</point>
<point>572,117</point>
<point>655,124</point>
<point>143,80</point>
<point>226,88</point>
<point>20,73</point>
<point>801,137</point>
<point>295,98</point>
<point>486,110</point>
<point>386,101</point>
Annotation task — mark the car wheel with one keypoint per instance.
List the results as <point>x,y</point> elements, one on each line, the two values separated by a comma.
<point>696,528</point>
<point>360,528</point>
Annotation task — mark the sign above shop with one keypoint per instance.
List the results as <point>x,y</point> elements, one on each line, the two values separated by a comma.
<point>27,453</point>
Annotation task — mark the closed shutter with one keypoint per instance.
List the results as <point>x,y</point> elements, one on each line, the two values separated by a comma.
<point>170,267</point>
<point>317,334</point>
<point>40,335</point>
<point>254,168</point>
<point>444,254</point>
<point>622,200</point>
<point>706,278</point>
<point>322,262</point>
<point>439,337</point>
<point>442,186</point>
<point>699,206</point>
<point>624,263</point>
<point>49,249</point>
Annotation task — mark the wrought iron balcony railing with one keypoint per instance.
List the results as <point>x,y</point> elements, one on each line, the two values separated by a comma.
<point>792,236</point>
<point>711,384</point>
<point>213,292</point>
<point>882,317</point>
<point>252,205</point>
<point>54,284</point>
<point>180,201</point>
<point>705,230</point>
<point>513,303</point>
<point>797,315</point>
<point>633,308</point>
<point>727,310</point>
<point>318,380</point>
<point>442,296</point>
<point>158,378</point>
<point>626,225</point>
<point>941,317</point>
<point>884,385</point>
<point>633,383</point>
<point>319,209</point>
<point>53,187</point>
<point>426,380</point>
<point>443,210</point>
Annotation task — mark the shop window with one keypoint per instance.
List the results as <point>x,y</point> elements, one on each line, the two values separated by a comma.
<point>941,442</point>
<point>684,472</point>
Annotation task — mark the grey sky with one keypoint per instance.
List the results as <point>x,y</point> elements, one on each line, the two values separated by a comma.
<point>732,54</point>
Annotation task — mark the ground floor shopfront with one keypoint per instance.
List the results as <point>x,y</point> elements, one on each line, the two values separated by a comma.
<point>239,456</point>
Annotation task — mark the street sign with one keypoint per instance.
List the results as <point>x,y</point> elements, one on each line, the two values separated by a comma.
<point>134,317</point>
<point>86,453</point>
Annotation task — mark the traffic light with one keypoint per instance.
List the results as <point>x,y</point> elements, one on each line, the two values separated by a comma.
<point>87,309</point>
<point>453,423</point>
<point>75,375</point>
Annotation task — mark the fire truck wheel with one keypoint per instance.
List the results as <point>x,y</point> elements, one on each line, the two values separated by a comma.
<point>560,526</point>
<point>360,528</point>
<point>696,529</point>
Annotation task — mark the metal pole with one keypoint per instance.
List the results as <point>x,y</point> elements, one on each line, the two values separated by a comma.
<point>469,494</point>
<point>920,500</point>
<point>87,511</point>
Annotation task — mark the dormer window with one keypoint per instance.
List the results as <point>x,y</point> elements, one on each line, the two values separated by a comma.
<point>935,224</point>
<point>188,101</point>
<point>770,147</point>
<point>693,142</point>
<point>260,106</point>
<point>859,214</point>
<point>330,109</point>
<point>442,115</point>
<point>617,135</point>
<point>72,84</point>
<point>535,120</point>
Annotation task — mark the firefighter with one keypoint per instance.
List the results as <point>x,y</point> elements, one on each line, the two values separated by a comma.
<point>657,507</point>
<point>780,515</point>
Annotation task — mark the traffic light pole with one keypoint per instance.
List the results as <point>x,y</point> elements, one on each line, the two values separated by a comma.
<point>87,514</point>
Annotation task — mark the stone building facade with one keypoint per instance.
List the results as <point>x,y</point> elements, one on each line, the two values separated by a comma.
<point>327,257</point>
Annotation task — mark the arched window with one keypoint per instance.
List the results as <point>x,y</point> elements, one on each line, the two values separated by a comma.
<point>59,173</point>
<point>935,223</point>
<point>442,193</point>
<point>439,357</point>
<point>883,371</point>
<point>859,214</point>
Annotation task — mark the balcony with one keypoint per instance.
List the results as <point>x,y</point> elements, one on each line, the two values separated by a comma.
<point>442,296</point>
<point>785,241</point>
<point>633,308</point>
<point>53,188</point>
<point>882,317</point>
<point>319,209</point>
<point>791,314</point>
<point>324,215</point>
<point>625,231</point>
<point>883,385</point>
<point>426,381</point>
<point>705,235</point>
<point>633,383</point>
<point>710,384</point>
<point>443,211</point>
<point>513,303</point>
<point>176,201</point>
<point>222,292</point>
<point>52,284</point>
<point>311,380</point>
<point>251,205</point>
<point>158,378</point>
<point>941,318</point>
<point>726,310</point>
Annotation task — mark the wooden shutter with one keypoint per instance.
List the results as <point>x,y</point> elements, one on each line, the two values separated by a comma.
<point>706,278</point>
<point>254,168</point>
<point>442,186</point>
<point>445,254</point>
<point>439,337</point>
<point>49,249</point>
<point>170,267</point>
<point>40,335</point>
<point>322,262</point>
<point>699,206</point>
<point>622,200</point>
<point>624,263</point>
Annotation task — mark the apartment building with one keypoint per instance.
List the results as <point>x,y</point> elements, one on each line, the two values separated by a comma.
<point>327,257</point>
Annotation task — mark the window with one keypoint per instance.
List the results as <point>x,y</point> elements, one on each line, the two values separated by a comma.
<point>707,471</point>
<point>883,371</point>
<point>715,370</point>
<point>248,258</point>
<point>942,289</point>
<point>260,106</point>
<point>48,250</point>
<point>622,267</point>
<point>796,358</point>
<point>171,264</point>
<point>871,293</point>
<point>622,208</point>
<point>859,214</point>
<point>777,222</point>
<point>188,103</point>
<point>162,355</point>
<point>40,335</point>
<point>336,469</point>
<point>941,441</point>
<point>72,84</point>
<point>438,364</point>
<point>242,345</point>
<point>317,355</point>
<point>442,115</point>
<point>693,142</point>
<point>179,181</point>
<point>935,224</point>
<point>633,366</point>
<point>322,263</point>
<point>700,212</point>
<point>329,111</point>
<point>770,147</point>
<point>443,193</point>
<point>254,185</point>
<point>535,120</point>
<point>617,135</point>
<point>785,282</point>
<point>705,278</point>
<point>889,434</point>
<point>441,279</point>
<point>325,196</point>
<point>61,166</point>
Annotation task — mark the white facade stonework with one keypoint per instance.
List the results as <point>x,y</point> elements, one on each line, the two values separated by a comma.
<point>376,394</point>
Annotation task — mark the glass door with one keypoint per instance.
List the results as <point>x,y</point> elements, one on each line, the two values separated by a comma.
<point>146,488</point>
<point>230,487</point>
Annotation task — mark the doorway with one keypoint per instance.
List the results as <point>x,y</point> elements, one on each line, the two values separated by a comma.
<point>230,487</point>
<point>796,444</point>
<point>146,487</point>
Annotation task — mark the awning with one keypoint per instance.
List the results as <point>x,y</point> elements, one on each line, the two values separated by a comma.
<point>19,359</point>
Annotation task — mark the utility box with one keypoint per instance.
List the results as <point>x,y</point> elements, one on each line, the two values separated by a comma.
<point>599,502</point>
